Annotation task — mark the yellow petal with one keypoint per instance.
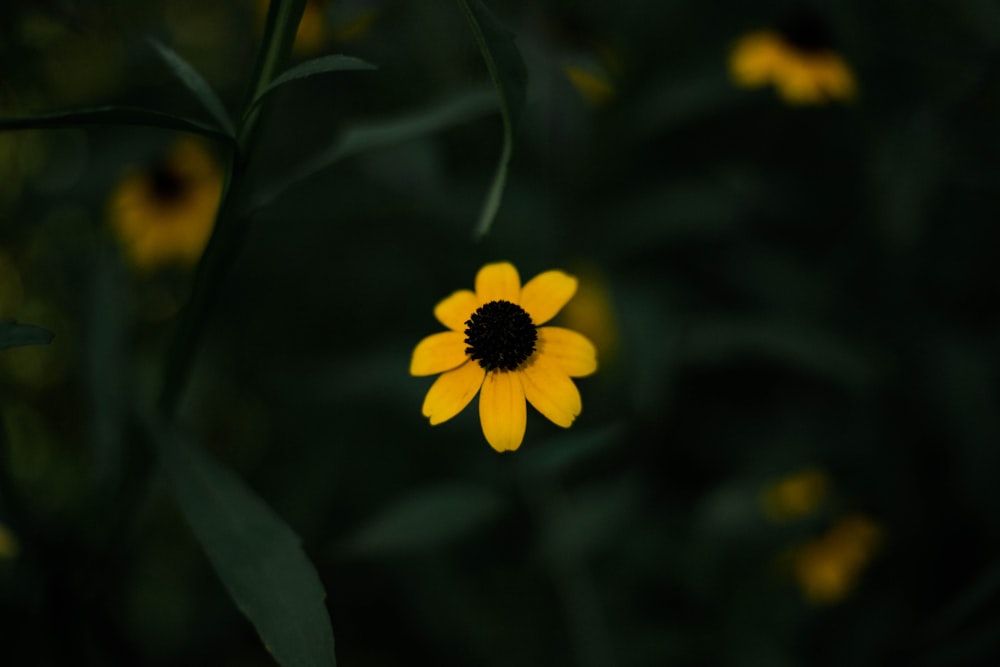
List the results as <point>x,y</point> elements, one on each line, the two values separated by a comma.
<point>567,349</point>
<point>451,392</point>
<point>544,295</point>
<point>754,59</point>
<point>496,282</point>
<point>502,410</point>
<point>454,310</point>
<point>438,353</point>
<point>549,389</point>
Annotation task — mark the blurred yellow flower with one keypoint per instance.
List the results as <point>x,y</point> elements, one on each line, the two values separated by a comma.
<point>352,21</point>
<point>164,214</point>
<point>796,495</point>
<point>805,71</point>
<point>312,34</point>
<point>828,567</point>
<point>324,21</point>
<point>9,545</point>
<point>591,312</point>
<point>495,347</point>
<point>594,86</point>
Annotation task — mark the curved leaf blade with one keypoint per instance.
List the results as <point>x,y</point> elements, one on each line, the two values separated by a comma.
<point>256,555</point>
<point>113,115</point>
<point>321,65</point>
<point>510,78</point>
<point>385,132</point>
<point>13,334</point>
<point>426,519</point>
<point>194,82</point>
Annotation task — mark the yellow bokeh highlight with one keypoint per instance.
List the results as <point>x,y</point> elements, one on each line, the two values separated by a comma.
<point>801,77</point>
<point>592,312</point>
<point>795,496</point>
<point>10,547</point>
<point>164,214</point>
<point>828,568</point>
<point>595,87</point>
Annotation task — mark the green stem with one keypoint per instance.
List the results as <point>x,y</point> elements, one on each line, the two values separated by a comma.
<point>227,238</point>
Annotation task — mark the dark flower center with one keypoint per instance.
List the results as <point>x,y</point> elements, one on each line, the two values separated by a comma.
<point>166,184</point>
<point>806,32</point>
<point>500,335</point>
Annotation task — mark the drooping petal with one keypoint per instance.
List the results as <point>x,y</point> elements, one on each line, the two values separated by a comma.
<point>454,310</point>
<point>544,295</point>
<point>551,391</point>
<point>438,353</point>
<point>451,392</point>
<point>499,281</point>
<point>502,410</point>
<point>572,352</point>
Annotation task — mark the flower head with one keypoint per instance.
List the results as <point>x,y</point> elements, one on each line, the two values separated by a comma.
<point>164,214</point>
<point>797,60</point>
<point>496,347</point>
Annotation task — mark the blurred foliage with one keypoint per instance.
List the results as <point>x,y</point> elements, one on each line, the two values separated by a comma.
<point>775,290</point>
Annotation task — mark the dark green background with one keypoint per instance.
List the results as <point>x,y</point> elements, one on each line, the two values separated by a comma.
<point>792,287</point>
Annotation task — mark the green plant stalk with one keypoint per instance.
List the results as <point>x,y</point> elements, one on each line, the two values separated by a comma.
<point>227,237</point>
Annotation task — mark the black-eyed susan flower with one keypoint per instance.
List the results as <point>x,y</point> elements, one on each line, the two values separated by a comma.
<point>164,214</point>
<point>496,347</point>
<point>828,567</point>
<point>797,60</point>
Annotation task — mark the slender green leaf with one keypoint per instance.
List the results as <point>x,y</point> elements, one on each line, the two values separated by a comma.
<point>257,556</point>
<point>105,348</point>
<point>510,77</point>
<point>113,115</point>
<point>796,346</point>
<point>194,82</point>
<point>563,452</point>
<point>13,334</point>
<point>321,65</point>
<point>386,132</point>
<point>426,519</point>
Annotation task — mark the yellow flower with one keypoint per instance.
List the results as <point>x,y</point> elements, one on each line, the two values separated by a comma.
<point>804,72</point>
<point>828,567</point>
<point>496,347</point>
<point>164,214</point>
<point>795,496</point>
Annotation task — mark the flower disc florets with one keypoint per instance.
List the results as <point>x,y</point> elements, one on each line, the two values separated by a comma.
<point>167,184</point>
<point>500,335</point>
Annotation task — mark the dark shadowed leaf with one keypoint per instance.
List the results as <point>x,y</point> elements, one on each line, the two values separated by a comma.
<point>321,65</point>
<point>426,519</point>
<point>386,132</point>
<point>105,362</point>
<point>113,115</point>
<point>563,452</point>
<point>510,77</point>
<point>194,82</point>
<point>13,334</point>
<point>257,556</point>
<point>807,349</point>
